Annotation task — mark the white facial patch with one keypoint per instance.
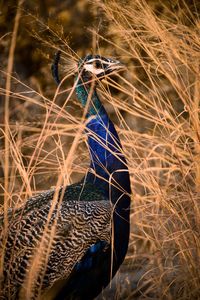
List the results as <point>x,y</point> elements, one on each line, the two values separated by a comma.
<point>91,68</point>
<point>101,66</point>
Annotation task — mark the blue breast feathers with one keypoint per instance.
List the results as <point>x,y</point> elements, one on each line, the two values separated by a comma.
<point>105,151</point>
<point>89,258</point>
<point>104,144</point>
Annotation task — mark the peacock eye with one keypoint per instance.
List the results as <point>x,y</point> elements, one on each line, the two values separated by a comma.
<point>97,65</point>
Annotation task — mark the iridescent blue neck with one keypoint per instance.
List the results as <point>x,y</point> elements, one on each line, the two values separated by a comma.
<point>108,169</point>
<point>87,92</point>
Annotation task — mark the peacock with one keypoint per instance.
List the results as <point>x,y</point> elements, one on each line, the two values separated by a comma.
<point>90,220</point>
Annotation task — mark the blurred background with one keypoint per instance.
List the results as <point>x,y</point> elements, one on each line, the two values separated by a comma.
<point>154,104</point>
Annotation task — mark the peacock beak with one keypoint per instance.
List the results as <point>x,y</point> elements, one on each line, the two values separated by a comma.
<point>114,66</point>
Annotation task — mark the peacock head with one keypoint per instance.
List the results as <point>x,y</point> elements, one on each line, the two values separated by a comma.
<point>89,67</point>
<point>98,66</point>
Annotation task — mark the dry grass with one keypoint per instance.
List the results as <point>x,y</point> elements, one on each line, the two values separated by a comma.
<point>156,107</point>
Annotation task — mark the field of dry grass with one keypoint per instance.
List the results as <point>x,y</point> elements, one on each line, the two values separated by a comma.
<point>154,103</point>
